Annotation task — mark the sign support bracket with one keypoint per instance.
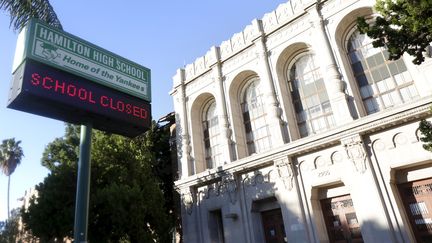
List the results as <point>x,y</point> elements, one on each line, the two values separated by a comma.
<point>83,185</point>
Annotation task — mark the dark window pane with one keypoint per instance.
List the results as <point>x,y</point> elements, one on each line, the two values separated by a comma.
<point>246,116</point>
<point>358,68</point>
<point>298,107</point>
<point>292,73</point>
<point>295,95</point>
<point>295,84</point>
<point>303,129</point>
<point>248,127</point>
<point>362,80</point>
<point>206,133</point>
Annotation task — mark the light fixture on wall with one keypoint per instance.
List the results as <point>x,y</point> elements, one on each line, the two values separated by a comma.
<point>232,216</point>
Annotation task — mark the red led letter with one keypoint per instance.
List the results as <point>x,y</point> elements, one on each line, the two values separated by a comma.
<point>111,104</point>
<point>103,97</point>
<point>136,111</point>
<point>57,86</point>
<point>91,100</point>
<point>128,108</point>
<point>143,113</point>
<point>71,90</point>
<point>120,106</point>
<point>45,81</point>
<point>82,94</point>
<point>35,79</point>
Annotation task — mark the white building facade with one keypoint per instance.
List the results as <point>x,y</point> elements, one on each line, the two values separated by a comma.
<point>297,130</point>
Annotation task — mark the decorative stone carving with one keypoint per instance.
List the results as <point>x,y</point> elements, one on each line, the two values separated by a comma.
<point>356,152</point>
<point>269,21</point>
<point>285,172</point>
<point>226,186</point>
<point>336,157</point>
<point>418,135</point>
<point>257,178</point>
<point>400,139</point>
<point>319,162</point>
<point>229,185</point>
<point>306,165</point>
<point>378,145</point>
<point>237,41</point>
<point>225,48</point>
<point>187,146</point>
<point>283,12</point>
<point>250,32</point>
<point>203,81</point>
<point>188,201</point>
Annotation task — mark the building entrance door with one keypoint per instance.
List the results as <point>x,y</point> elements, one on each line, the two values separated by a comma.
<point>273,225</point>
<point>417,200</point>
<point>341,220</point>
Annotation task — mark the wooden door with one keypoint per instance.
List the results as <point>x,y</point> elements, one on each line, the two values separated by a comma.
<point>273,225</point>
<point>417,200</point>
<point>341,220</point>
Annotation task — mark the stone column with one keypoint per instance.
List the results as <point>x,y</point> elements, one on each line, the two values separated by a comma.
<point>332,78</point>
<point>221,106</point>
<point>191,222</point>
<point>289,198</point>
<point>183,139</point>
<point>268,89</point>
<point>371,211</point>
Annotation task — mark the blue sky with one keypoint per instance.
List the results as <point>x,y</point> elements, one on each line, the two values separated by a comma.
<point>160,35</point>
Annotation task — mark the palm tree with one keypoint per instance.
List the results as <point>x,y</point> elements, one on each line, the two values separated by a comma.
<point>22,10</point>
<point>10,157</point>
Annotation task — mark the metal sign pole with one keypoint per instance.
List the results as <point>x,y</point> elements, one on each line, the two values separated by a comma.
<point>83,185</point>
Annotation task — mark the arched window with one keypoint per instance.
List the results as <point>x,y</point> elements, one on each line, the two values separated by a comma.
<point>309,94</point>
<point>257,133</point>
<point>211,135</point>
<point>382,83</point>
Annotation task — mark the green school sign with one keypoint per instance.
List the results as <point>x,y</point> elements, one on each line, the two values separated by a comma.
<point>64,51</point>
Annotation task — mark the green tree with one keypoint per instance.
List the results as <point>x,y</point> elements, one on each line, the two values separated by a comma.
<point>126,197</point>
<point>10,232</point>
<point>10,157</point>
<point>403,26</point>
<point>425,128</point>
<point>21,11</point>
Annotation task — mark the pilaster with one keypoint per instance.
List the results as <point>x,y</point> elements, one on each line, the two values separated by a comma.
<point>290,198</point>
<point>332,78</point>
<point>224,126</point>
<point>365,193</point>
<point>272,104</point>
<point>183,138</point>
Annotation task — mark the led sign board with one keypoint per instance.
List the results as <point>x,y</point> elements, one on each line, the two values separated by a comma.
<point>56,48</point>
<point>46,91</point>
